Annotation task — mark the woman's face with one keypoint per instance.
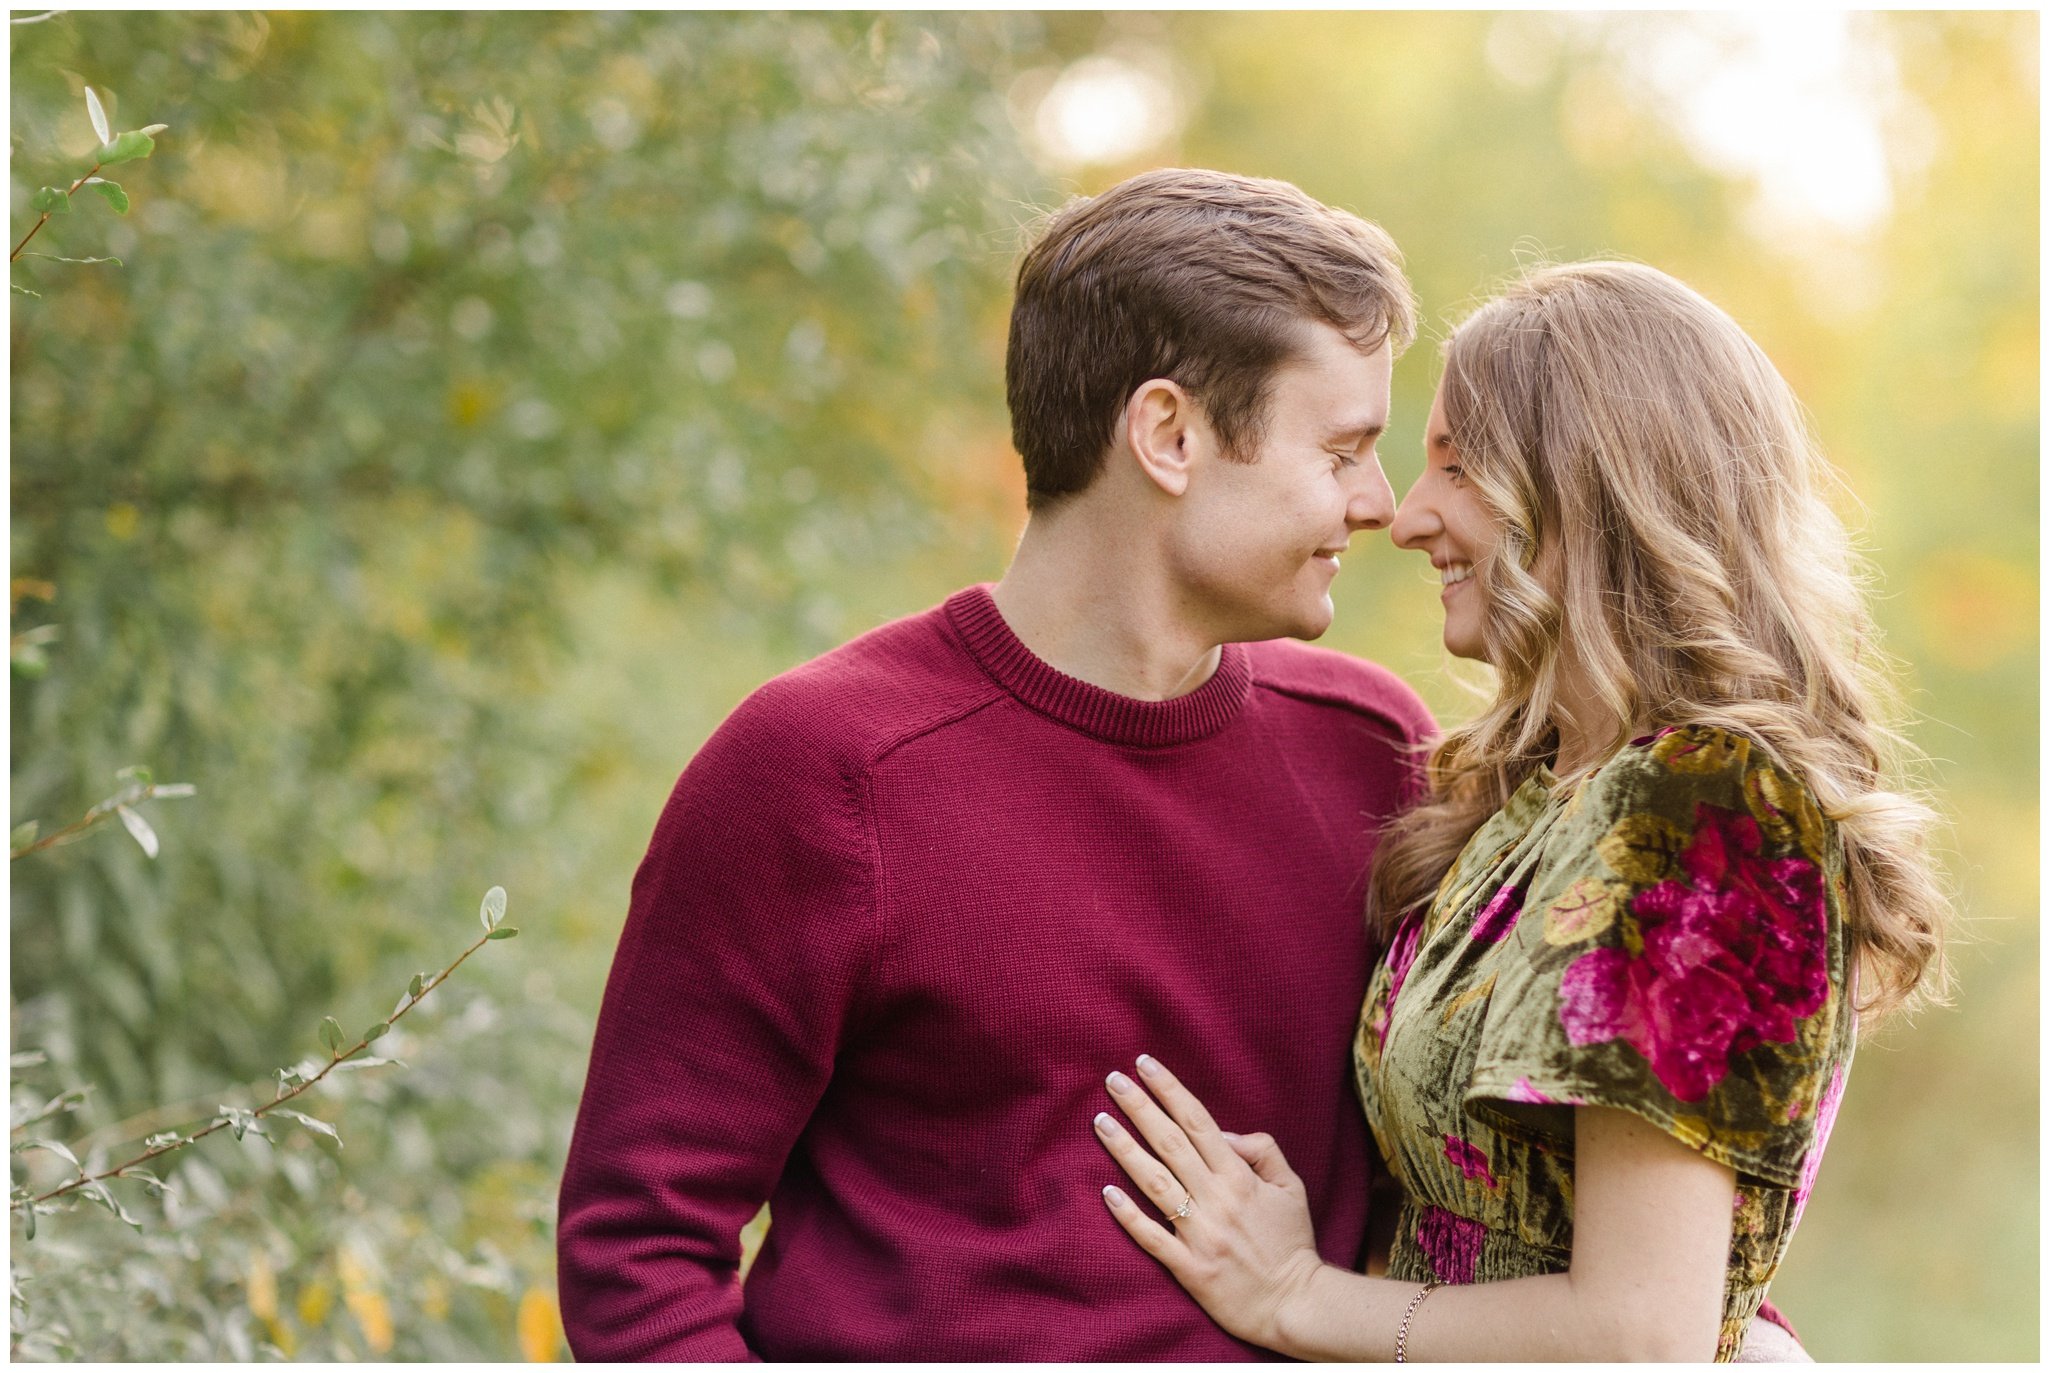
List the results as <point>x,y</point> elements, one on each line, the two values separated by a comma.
<point>1444,517</point>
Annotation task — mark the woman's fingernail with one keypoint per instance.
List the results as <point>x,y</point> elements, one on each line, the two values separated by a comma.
<point>1149,1066</point>
<point>1118,1082</point>
<point>1113,1196</point>
<point>1228,1134</point>
<point>1104,1124</point>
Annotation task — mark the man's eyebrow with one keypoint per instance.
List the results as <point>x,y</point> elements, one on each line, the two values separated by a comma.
<point>1360,430</point>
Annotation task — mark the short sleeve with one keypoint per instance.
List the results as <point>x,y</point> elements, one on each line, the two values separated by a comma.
<point>1679,956</point>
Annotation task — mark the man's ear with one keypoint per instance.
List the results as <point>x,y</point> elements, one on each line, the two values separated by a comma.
<point>1163,428</point>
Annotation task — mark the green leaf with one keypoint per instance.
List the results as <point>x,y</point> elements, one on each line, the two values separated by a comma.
<point>116,197</point>
<point>413,988</point>
<point>76,261</point>
<point>493,909</point>
<point>51,200</point>
<point>135,772</point>
<point>331,1034</point>
<point>97,1192</point>
<point>157,1141</point>
<point>29,1230</point>
<point>24,835</point>
<point>151,1183</point>
<point>95,112</point>
<point>50,1146</point>
<point>367,1061</point>
<point>376,1032</point>
<point>125,147</point>
<point>319,1127</point>
<point>503,932</point>
<point>139,827</point>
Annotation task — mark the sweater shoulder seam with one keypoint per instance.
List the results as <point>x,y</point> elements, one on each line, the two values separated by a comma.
<point>1394,723</point>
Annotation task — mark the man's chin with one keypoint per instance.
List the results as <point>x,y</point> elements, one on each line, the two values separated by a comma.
<point>1311,624</point>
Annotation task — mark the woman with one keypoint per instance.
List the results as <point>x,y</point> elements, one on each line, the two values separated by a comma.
<point>1631,931</point>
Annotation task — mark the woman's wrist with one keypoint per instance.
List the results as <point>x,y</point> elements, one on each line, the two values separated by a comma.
<point>1300,1315</point>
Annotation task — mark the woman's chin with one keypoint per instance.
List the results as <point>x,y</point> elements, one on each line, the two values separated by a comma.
<point>1459,646</point>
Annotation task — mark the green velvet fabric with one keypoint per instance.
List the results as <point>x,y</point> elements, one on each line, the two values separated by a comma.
<point>1667,939</point>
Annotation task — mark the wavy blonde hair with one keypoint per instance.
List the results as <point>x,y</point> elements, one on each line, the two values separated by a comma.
<point>1612,418</point>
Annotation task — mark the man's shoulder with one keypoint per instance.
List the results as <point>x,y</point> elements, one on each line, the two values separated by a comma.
<point>855,702</point>
<point>1325,676</point>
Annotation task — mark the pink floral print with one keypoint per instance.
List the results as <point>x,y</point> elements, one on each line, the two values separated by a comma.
<point>1498,917</point>
<point>1735,954</point>
<point>1451,1243</point>
<point>1469,1160</point>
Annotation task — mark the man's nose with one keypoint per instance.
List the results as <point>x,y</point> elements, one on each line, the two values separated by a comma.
<point>1373,504</point>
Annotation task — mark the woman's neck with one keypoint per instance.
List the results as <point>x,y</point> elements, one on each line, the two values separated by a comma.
<point>1588,729</point>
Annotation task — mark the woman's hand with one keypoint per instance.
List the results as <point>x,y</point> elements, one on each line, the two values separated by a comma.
<point>1243,1245</point>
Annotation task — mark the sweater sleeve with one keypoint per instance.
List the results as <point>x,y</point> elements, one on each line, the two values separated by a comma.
<point>749,934</point>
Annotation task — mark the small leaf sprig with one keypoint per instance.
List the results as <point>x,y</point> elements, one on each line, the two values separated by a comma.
<point>128,146</point>
<point>242,1121</point>
<point>137,786</point>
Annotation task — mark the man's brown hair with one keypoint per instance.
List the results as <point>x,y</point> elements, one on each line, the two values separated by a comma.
<point>1201,277</point>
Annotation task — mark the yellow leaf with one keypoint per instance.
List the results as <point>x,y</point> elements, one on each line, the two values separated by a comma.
<point>1702,751</point>
<point>316,1299</point>
<point>373,1316</point>
<point>263,1287</point>
<point>1691,1131</point>
<point>1643,849</point>
<point>122,518</point>
<point>1480,991</point>
<point>1582,911</point>
<point>1785,811</point>
<point>540,1327</point>
<point>469,402</point>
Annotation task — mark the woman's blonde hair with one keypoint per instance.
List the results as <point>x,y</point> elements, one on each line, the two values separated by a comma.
<point>1613,418</point>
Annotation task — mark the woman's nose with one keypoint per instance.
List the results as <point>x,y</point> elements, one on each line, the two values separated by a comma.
<point>1415,520</point>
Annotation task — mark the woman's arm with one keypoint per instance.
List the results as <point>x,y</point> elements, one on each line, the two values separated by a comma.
<point>1651,1238</point>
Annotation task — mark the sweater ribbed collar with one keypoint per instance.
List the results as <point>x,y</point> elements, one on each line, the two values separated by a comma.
<point>1102,714</point>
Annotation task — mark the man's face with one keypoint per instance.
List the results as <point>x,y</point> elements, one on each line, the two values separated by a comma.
<point>1256,544</point>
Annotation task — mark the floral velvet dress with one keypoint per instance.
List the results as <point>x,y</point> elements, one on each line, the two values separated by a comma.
<point>1669,941</point>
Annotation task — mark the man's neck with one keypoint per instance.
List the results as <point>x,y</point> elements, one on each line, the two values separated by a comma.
<point>1092,599</point>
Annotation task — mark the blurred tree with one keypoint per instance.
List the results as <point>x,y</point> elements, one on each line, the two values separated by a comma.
<point>434,318</point>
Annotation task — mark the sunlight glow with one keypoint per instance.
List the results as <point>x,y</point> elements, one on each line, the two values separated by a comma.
<point>1792,99</point>
<point>1104,109</point>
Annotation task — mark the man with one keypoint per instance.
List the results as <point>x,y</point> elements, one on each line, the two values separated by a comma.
<point>913,899</point>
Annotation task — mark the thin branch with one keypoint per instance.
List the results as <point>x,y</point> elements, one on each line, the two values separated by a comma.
<point>132,796</point>
<point>39,18</point>
<point>72,190</point>
<point>335,1060</point>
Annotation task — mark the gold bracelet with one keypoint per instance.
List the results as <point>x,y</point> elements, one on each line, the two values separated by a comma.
<point>1402,1332</point>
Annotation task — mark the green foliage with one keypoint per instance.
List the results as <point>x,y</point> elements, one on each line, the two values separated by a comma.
<point>112,192</point>
<point>428,318</point>
<point>125,147</point>
<point>490,400</point>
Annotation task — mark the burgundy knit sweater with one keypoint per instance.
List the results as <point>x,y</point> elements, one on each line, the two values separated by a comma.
<point>903,912</point>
